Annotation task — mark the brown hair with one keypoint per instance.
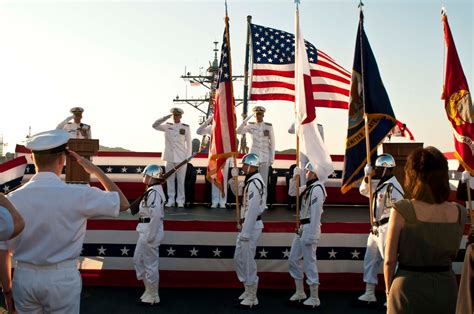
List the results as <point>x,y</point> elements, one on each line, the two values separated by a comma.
<point>426,176</point>
<point>46,160</point>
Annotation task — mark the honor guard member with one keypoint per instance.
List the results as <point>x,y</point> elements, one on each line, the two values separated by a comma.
<point>46,278</point>
<point>263,140</point>
<point>305,242</point>
<point>218,199</point>
<point>385,192</point>
<point>178,147</point>
<point>76,128</point>
<point>253,205</point>
<point>150,234</point>
<point>11,222</point>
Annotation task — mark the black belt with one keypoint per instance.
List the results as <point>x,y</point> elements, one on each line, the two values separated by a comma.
<point>425,269</point>
<point>381,222</point>
<point>144,220</point>
<point>243,219</point>
<point>304,221</point>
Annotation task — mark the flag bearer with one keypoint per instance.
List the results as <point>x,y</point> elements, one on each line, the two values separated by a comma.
<point>253,205</point>
<point>178,147</point>
<point>263,141</point>
<point>46,278</point>
<point>150,235</point>
<point>305,242</point>
<point>385,192</point>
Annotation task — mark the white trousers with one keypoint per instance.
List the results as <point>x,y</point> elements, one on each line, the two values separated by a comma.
<point>263,169</point>
<point>217,197</point>
<point>244,259</point>
<point>180,175</point>
<point>373,258</point>
<point>146,260</point>
<point>307,265</point>
<point>47,289</point>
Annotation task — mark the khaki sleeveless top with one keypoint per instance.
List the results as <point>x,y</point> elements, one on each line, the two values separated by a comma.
<point>428,243</point>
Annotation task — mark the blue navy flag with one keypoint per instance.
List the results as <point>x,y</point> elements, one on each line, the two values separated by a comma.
<point>378,109</point>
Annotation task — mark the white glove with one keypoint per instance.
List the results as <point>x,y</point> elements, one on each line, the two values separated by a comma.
<point>465,176</point>
<point>296,172</point>
<point>209,120</point>
<point>167,116</point>
<point>367,170</point>
<point>70,118</point>
<point>235,172</point>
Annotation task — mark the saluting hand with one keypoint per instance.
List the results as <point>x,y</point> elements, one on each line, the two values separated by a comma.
<point>85,163</point>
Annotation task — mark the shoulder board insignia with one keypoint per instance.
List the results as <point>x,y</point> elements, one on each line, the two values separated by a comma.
<point>185,124</point>
<point>251,122</point>
<point>169,123</point>
<point>267,123</point>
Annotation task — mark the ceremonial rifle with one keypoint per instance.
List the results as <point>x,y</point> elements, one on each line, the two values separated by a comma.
<point>135,206</point>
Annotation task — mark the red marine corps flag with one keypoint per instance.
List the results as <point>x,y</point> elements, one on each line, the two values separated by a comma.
<point>457,102</point>
<point>223,138</point>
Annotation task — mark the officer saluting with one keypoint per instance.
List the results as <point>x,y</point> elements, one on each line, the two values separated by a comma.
<point>387,191</point>
<point>55,213</point>
<point>178,147</point>
<point>305,243</point>
<point>253,205</point>
<point>263,140</point>
<point>76,129</point>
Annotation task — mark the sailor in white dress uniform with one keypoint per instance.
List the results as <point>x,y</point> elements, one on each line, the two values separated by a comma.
<point>253,205</point>
<point>263,141</point>
<point>178,147</point>
<point>218,199</point>
<point>150,234</point>
<point>46,277</point>
<point>305,242</point>
<point>76,128</point>
<point>386,191</point>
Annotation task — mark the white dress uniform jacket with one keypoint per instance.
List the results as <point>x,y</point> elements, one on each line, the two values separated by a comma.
<point>55,214</point>
<point>76,130</point>
<point>305,243</point>
<point>253,205</point>
<point>384,196</point>
<point>178,145</point>
<point>263,139</point>
<point>150,235</point>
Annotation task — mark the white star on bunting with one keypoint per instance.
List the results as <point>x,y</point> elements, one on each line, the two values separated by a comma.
<point>332,254</point>
<point>263,253</point>
<point>194,252</point>
<point>102,250</point>
<point>6,188</point>
<point>198,171</point>
<point>170,251</point>
<point>217,252</point>
<point>125,250</point>
<point>355,254</point>
<point>286,253</point>
<point>124,169</point>
<point>139,169</point>
<point>109,169</point>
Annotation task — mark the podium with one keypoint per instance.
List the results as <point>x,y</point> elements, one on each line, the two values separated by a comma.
<point>86,148</point>
<point>400,152</point>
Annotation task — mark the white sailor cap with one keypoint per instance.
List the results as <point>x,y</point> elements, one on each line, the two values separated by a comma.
<point>176,110</point>
<point>48,142</point>
<point>76,110</point>
<point>258,109</point>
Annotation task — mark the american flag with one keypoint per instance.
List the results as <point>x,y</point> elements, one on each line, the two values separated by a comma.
<point>273,71</point>
<point>223,137</point>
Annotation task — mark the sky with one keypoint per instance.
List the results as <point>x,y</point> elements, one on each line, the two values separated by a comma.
<point>122,61</point>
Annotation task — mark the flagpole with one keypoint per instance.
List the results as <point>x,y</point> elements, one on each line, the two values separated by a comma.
<point>297,178</point>
<point>243,140</point>
<point>366,119</point>
<point>236,183</point>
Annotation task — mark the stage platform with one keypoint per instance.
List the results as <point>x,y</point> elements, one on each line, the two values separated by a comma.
<point>198,247</point>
